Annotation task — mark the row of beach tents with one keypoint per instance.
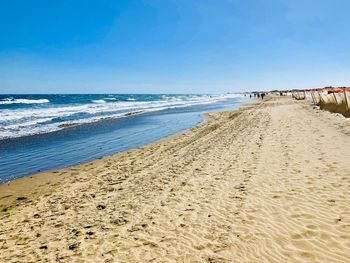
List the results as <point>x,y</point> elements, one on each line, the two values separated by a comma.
<point>329,98</point>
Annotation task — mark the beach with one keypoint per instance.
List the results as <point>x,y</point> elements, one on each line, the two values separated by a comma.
<point>269,182</point>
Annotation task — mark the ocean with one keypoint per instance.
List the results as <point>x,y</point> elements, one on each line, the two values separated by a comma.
<point>46,131</point>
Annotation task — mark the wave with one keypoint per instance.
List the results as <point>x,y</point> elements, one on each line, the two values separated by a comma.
<point>35,127</point>
<point>98,101</point>
<point>23,101</point>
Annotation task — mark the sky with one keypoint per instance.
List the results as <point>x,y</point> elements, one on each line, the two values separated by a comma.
<point>172,46</point>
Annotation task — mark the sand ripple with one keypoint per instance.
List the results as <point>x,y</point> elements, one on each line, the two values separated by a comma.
<point>267,183</point>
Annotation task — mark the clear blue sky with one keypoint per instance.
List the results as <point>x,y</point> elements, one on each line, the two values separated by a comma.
<point>176,46</point>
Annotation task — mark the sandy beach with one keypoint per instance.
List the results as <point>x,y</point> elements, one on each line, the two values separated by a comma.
<point>269,182</point>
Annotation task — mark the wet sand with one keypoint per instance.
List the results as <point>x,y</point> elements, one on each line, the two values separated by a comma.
<point>267,183</point>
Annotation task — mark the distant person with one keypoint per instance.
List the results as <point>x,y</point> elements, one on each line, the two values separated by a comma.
<point>262,95</point>
<point>258,95</point>
<point>250,96</point>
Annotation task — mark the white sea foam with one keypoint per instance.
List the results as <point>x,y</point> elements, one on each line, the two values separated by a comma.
<point>22,101</point>
<point>98,101</point>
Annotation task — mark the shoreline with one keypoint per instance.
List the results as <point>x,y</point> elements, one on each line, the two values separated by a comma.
<point>268,182</point>
<point>83,143</point>
<point>119,106</point>
<point>40,183</point>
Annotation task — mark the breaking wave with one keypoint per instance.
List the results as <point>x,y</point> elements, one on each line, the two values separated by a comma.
<point>22,101</point>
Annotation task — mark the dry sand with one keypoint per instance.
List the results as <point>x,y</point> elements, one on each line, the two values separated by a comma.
<point>267,183</point>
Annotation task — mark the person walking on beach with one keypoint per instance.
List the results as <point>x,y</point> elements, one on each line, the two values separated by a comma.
<point>262,95</point>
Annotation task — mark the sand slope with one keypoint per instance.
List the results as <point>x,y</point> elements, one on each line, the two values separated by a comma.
<point>267,183</point>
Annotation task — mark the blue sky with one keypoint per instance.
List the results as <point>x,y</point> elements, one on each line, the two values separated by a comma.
<point>172,46</point>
